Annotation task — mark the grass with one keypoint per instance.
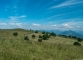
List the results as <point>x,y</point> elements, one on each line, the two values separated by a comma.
<point>56,48</point>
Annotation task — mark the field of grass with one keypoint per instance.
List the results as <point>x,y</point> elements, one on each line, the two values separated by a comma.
<point>55,48</point>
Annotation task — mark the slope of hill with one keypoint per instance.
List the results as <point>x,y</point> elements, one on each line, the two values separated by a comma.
<point>55,48</point>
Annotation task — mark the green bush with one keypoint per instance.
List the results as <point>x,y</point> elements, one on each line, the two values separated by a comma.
<point>36,31</point>
<point>33,36</point>
<point>40,36</point>
<point>39,40</point>
<point>69,36</point>
<point>15,34</point>
<point>43,32</point>
<point>79,39</point>
<point>74,37</point>
<point>77,43</point>
<point>47,32</point>
<point>53,34</point>
<point>26,38</point>
<point>45,37</point>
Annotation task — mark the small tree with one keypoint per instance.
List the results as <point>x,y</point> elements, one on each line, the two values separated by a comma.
<point>15,34</point>
<point>39,40</point>
<point>45,37</point>
<point>47,33</point>
<point>70,36</point>
<point>53,34</point>
<point>33,36</point>
<point>40,36</point>
<point>77,43</point>
<point>74,37</point>
<point>36,31</point>
<point>26,38</point>
<point>43,32</point>
<point>79,39</point>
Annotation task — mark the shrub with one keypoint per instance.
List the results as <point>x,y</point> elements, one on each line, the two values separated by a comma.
<point>36,31</point>
<point>69,36</point>
<point>74,37</point>
<point>45,37</point>
<point>47,32</point>
<point>26,38</point>
<point>39,40</point>
<point>43,32</point>
<point>64,36</point>
<point>79,39</point>
<point>15,34</point>
<point>40,36</point>
<point>53,34</point>
<point>77,43</point>
<point>33,36</point>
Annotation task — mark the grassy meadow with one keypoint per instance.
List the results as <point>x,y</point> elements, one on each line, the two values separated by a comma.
<point>55,48</point>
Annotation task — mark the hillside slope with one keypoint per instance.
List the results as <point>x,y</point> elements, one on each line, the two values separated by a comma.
<point>56,48</point>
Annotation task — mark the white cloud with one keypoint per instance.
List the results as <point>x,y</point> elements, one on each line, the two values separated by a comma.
<point>68,3</point>
<point>53,25</point>
<point>66,25</point>
<point>36,24</point>
<point>19,25</point>
<point>3,23</point>
<point>17,17</point>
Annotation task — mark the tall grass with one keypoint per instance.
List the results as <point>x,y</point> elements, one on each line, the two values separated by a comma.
<point>29,50</point>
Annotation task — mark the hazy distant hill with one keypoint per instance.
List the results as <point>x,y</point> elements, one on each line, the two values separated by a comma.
<point>80,32</point>
<point>72,33</point>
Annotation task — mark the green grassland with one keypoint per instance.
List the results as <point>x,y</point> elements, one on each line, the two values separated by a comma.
<point>55,48</point>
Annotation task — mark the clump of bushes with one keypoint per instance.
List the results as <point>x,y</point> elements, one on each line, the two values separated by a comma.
<point>77,43</point>
<point>45,37</point>
<point>15,34</point>
<point>33,36</point>
<point>39,40</point>
<point>53,34</point>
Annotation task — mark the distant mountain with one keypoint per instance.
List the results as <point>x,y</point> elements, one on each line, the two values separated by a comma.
<point>80,32</point>
<point>72,33</point>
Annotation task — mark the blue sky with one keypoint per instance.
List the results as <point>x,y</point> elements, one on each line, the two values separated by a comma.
<point>42,14</point>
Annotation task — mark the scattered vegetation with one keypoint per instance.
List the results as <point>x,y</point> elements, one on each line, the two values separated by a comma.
<point>79,39</point>
<point>39,40</point>
<point>36,31</point>
<point>74,37</point>
<point>45,37</point>
<point>40,36</point>
<point>15,34</point>
<point>26,38</point>
<point>33,36</point>
<point>53,34</point>
<point>43,32</point>
<point>77,43</point>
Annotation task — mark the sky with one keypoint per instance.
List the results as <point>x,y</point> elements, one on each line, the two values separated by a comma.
<point>41,14</point>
